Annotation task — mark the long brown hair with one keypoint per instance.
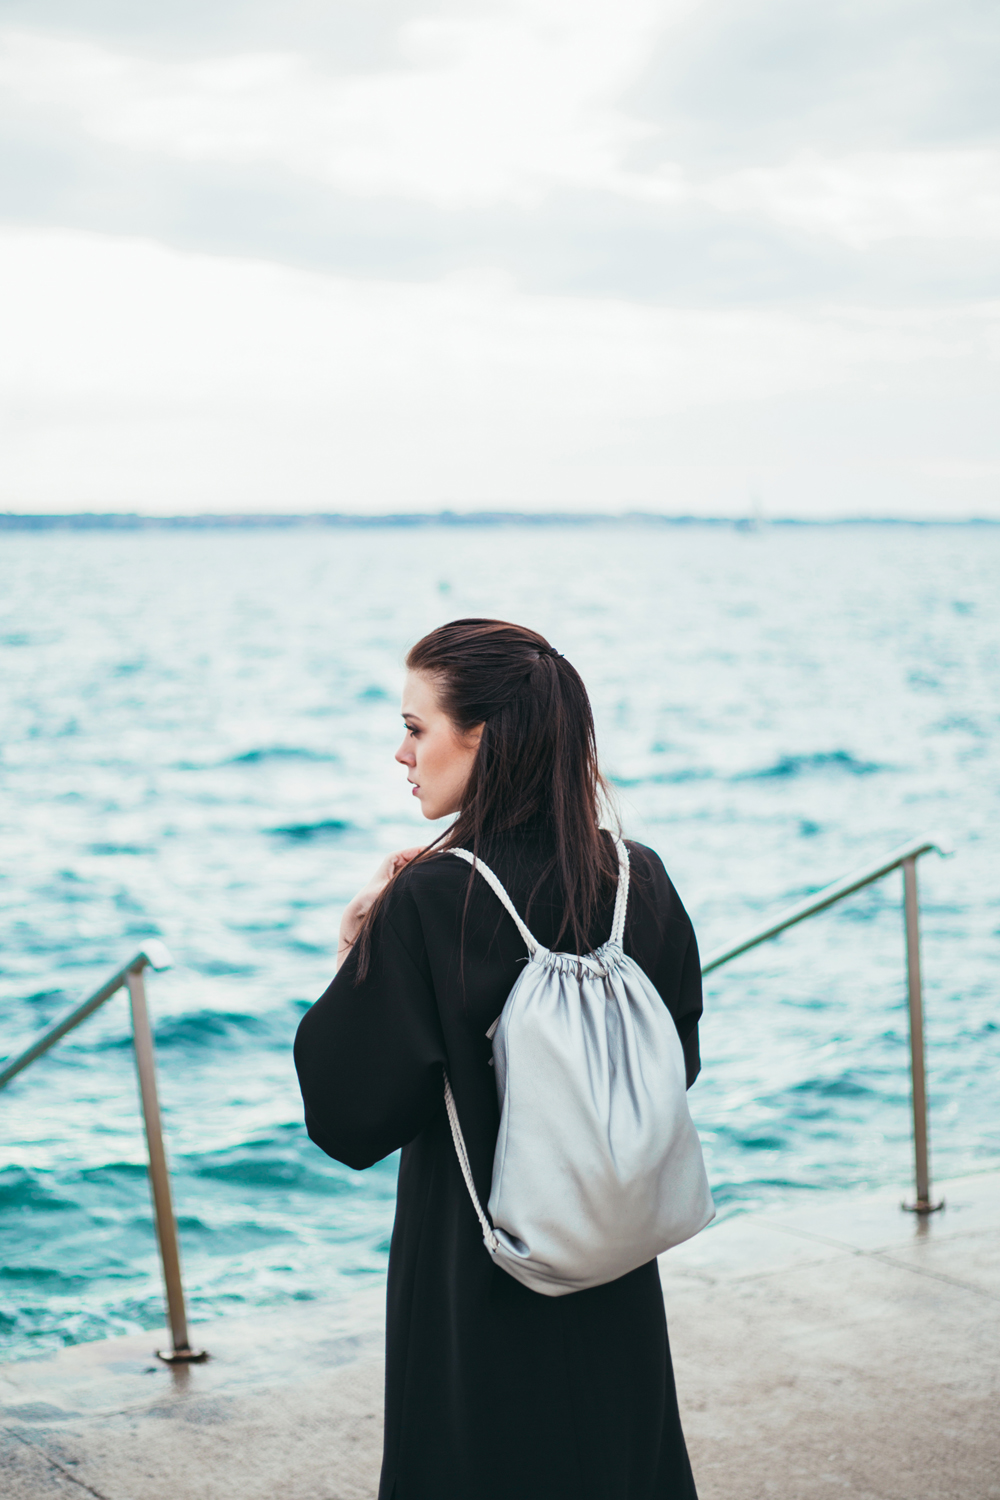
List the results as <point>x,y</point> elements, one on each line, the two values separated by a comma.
<point>536,763</point>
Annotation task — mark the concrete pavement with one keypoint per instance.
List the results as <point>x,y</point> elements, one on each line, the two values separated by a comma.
<point>842,1348</point>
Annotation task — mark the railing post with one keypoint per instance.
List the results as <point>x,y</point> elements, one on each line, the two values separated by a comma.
<point>911,908</point>
<point>159,1178</point>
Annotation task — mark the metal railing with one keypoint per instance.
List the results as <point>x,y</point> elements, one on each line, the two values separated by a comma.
<point>905,857</point>
<point>153,956</point>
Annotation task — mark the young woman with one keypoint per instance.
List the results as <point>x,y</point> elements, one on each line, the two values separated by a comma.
<point>493,1390</point>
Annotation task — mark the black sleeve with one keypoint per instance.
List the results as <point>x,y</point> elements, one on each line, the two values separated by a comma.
<point>689,1007</point>
<point>369,1055</point>
<point>664,943</point>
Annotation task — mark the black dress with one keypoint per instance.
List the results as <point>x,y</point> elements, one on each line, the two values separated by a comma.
<point>492,1390</point>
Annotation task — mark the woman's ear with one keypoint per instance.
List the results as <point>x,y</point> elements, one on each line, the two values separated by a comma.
<point>472,736</point>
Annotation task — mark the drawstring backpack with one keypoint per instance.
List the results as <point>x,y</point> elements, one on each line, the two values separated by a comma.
<point>598,1167</point>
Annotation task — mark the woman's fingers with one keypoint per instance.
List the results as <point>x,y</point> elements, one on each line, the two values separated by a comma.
<point>390,866</point>
<point>403,856</point>
<point>358,909</point>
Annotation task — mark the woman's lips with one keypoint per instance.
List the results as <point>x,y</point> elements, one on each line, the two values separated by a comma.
<point>416,788</point>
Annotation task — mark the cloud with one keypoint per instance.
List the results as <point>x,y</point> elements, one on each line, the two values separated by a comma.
<point>504,107</point>
<point>479,109</point>
<point>140,378</point>
<point>870,196</point>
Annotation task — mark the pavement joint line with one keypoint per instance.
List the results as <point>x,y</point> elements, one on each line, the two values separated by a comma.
<point>901,1265</point>
<point>709,1278</point>
<point>886,1257</point>
<point>822,1239</point>
<point>54,1462</point>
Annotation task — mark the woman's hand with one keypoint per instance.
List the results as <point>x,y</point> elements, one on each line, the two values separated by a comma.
<point>356,910</point>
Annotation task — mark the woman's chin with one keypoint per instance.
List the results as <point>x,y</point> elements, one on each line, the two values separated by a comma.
<point>433,811</point>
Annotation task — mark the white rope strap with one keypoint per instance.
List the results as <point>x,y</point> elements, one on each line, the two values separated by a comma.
<point>492,880</point>
<point>621,900</point>
<point>492,1243</point>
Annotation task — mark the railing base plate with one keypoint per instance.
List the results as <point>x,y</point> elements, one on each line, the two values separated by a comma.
<point>182,1356</point>
<point>922,1206</point>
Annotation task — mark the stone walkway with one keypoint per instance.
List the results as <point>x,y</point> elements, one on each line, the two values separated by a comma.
<point>842,1350</point>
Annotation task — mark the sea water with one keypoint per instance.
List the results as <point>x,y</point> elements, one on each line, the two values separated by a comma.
<point>198,732</point>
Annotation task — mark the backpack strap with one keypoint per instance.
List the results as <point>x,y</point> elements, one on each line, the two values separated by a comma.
<point>497,886</point>
<point>621,900</point>
<point>489,1238</point>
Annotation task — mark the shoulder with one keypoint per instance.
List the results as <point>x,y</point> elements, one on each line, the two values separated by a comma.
<point>642,858</point>
<point>416,903</point>
<point>645,864</point>
<point>440,873</point>
<point>651,884</point>
<point>437,878</point>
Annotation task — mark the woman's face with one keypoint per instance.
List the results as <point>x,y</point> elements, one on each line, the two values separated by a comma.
<point>438,759</point>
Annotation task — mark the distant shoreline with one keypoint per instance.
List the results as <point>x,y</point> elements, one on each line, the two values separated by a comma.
<point>133,521</point>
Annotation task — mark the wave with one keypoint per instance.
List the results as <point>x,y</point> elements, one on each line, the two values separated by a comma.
<point>751,1141</point>
<point>324,828</point>
<point>225,968</point>
<point>111,1195</point>
<point>47,1279</point>
<point>46,999</point>
<point>21,1190</point>
<point>253,1169</point>
<point>846,1086</point>
<point>280,752</point>
<point>785,767</point>
<point>665,778</point>
<point>206,1028</point>
<point>285,1158</point>
<point>822,760</point>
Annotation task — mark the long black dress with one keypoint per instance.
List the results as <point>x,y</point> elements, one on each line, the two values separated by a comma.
<point>493,1391</point>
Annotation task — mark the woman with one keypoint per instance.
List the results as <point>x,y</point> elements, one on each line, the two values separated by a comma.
<point>493,1390</point>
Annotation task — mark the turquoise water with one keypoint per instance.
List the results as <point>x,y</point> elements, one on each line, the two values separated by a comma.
<point>197,744</point>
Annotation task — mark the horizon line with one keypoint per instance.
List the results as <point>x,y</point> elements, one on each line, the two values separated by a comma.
<point>247,520</point>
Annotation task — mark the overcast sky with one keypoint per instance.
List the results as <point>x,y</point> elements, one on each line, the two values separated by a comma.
<point>701,256</point>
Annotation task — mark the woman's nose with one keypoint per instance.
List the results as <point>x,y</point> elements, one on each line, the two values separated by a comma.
<point>405,754</point>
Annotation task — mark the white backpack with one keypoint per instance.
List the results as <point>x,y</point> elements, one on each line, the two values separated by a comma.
<point>598,1167</point>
